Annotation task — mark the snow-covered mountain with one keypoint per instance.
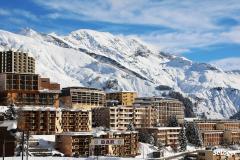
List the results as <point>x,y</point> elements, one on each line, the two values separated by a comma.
<point>102,60</point>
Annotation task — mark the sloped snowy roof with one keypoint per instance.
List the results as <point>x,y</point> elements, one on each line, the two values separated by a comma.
<point>10,124</point>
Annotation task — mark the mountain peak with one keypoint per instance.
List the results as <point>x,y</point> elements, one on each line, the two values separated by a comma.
<point>28,32</point>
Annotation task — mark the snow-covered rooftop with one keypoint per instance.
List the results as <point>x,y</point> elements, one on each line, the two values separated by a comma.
<point>10,124</point>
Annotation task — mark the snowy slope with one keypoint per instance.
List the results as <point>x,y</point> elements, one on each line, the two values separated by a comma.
<point>102,60</point>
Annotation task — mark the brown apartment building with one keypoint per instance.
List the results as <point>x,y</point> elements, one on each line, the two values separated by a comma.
<point>114,118</point>
<point>74,120</point>
<point>16,62</point>
<point>166,135</point>
<point>82,97</point>
<point>218,132</point>
<point>80,144</point>
<point>145,112</point>
<point>27,89</point>
<point>39,120</point>
<point>46,84</point>
<point>125,98</point>
<point>49,120</point>
<point>152,110</point>
<point>212,138</point>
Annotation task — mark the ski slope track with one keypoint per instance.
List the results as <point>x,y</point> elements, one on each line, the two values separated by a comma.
<point>112,62</point>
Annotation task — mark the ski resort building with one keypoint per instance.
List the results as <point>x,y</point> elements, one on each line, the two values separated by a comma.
<point>115,118</point>
<point>84,144</point>
<point>39,120</point>
<point>206,126</point>
<point>152,110</point>
<point>27,89</point>
<point>46,84</point>
<point>218,132</point>
<point>82,97</point>
<point>168,136</point>
<point>125,98</point>
<point>74,120</point>
<point>16,62</point>
<point>145,116</point>
<point>212,138</point>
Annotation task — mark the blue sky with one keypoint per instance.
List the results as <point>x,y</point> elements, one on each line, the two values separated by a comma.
<point>203,31</point>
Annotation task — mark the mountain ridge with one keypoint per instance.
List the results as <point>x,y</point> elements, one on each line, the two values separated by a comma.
<point>102,60</point>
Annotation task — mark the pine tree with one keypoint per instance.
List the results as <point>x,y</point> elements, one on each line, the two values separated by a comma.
<point>151,139</point>
<point>130,127</point>
<point>11,113</point>
<point>198,137</point>
<point>182,140</point>
<point>172,121</point>
<point>159,144</point>
<point>193,134</point>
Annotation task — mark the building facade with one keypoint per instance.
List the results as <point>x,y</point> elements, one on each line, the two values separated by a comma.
<point>46,84</point>
<point>212,138</point>
<point>145,116</point>
<point>115,118</point>
<point>168,136</point>
<point>125,98</point>
<point>218,132</point>
<point>157,110</point>
<point>82,97</point>
<point>79,144</point>
<point>19,82</point>
<point>76,120</point>
<point>16,62</point>
<point>39,120</point>
<point>24,89</point>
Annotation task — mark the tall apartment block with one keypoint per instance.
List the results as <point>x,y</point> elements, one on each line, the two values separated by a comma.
<point>115,118</point>
<point>16,62</point>
<point>39,120</point>
<point>125,98</point>
<point>74,120</point>
<point>82,97</point>
<point>27,89</point>
<point>145,116</point>
<point>152,110</point>
<point>79,144</point>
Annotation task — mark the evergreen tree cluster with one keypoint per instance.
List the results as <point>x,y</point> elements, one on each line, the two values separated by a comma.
<point>146,138</point>
<point>193,134</point>
<point>10,113</point>
<point>182,140</point>
<point>130,127</point>
<point>172,121</point>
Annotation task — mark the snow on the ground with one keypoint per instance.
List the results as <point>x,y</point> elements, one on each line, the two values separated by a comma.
<point>3,109</point>
<point>145,150</point>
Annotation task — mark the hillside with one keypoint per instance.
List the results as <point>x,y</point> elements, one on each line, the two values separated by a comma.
<point>103,60</point>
